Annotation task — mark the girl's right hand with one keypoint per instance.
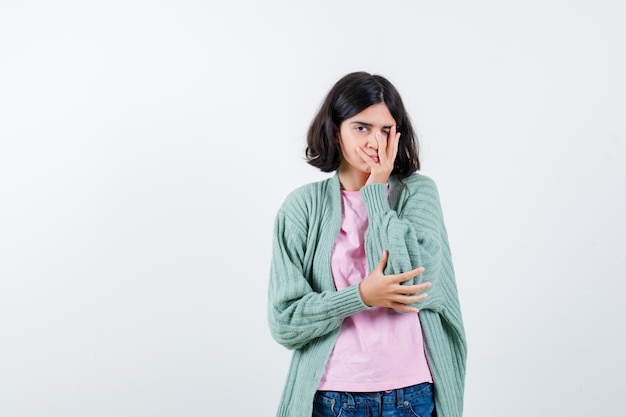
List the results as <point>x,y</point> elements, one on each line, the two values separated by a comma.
<point>380,290</point>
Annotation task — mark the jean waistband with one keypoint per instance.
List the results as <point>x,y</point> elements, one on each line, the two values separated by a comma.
<point>398,395</point>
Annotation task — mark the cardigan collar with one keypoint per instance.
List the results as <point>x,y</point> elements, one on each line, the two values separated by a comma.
<point>396,186</point>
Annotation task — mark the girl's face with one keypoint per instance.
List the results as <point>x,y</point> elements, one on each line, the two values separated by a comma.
<point>360,130</point>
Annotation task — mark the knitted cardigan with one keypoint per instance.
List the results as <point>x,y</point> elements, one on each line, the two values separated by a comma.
<point>305,311</point>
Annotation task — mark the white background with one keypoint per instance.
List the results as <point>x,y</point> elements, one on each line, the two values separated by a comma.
<point>146,146</point>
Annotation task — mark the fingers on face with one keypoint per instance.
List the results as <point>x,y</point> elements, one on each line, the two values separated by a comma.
<point>394,141</point>
<point>388,144</point>
<point>383,142</point>
<point>367,159</point>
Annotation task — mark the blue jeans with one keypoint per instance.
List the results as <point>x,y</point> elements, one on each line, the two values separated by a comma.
<point>414,401</point>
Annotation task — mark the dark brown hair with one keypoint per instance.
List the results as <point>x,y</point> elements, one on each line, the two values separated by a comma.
<point>349,96</point>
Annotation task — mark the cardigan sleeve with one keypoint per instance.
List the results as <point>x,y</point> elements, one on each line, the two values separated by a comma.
<point>415,235</point>
<point>298,313</point>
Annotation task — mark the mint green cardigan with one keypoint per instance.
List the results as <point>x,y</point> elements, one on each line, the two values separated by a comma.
<point>305,311</point>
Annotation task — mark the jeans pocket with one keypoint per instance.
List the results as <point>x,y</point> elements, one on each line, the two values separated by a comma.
<point>421,405</point>
<point>326,406</point>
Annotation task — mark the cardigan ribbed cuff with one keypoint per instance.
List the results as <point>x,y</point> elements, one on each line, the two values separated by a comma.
<point>375,198</point>
<point>348,301</point>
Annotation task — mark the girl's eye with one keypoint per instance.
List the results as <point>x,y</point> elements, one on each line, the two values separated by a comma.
<point>361,129</point>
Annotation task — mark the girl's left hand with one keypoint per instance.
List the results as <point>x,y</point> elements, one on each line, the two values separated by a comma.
<point>387,150</point>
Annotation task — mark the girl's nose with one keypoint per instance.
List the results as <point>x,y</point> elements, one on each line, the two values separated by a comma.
<point>372,143</point>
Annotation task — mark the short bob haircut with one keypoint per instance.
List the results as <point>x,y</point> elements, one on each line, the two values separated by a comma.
<point>349,96</point>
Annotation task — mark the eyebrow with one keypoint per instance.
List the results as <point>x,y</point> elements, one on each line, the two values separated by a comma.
<point>368,124</point>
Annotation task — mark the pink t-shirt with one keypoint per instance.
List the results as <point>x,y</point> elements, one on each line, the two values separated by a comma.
<point>377,349</point>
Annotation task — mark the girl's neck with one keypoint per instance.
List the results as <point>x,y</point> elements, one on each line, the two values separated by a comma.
<point>352,181</point>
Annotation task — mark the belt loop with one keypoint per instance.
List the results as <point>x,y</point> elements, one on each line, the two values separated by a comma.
<point>399,397</point>
<point>347,399</point>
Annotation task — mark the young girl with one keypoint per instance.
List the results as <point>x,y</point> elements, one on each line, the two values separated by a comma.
<point>355,258</point>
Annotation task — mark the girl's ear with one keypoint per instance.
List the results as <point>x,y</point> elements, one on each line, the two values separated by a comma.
<point>336,133</point>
